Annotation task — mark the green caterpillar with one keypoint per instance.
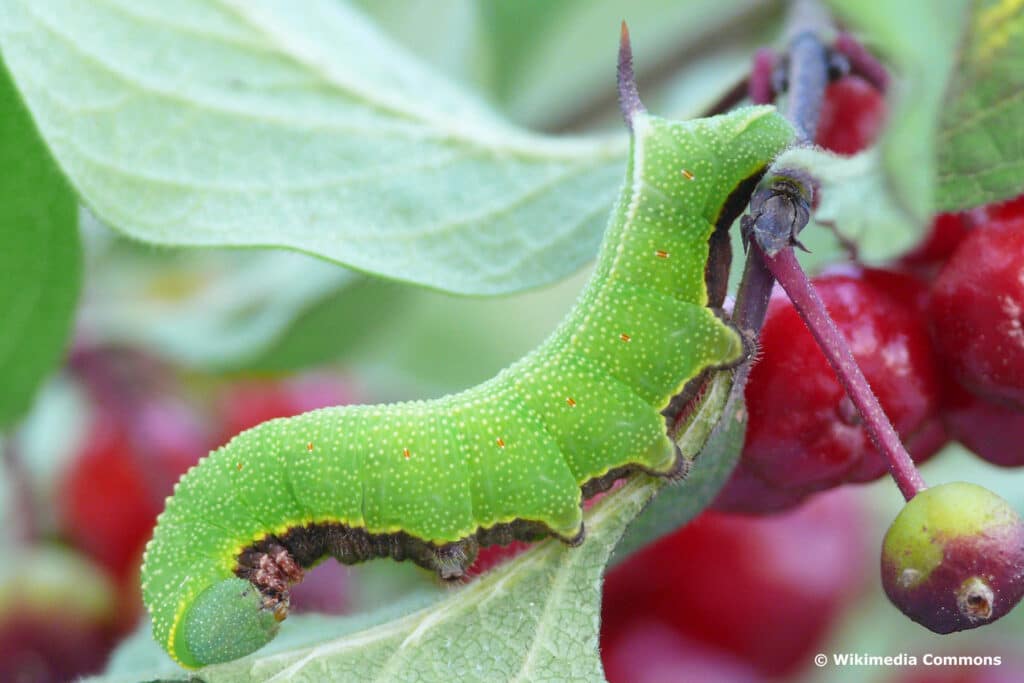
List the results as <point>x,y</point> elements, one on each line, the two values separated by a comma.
<point>511,458</point>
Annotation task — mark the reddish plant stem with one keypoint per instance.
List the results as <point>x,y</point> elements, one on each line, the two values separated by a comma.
<point>786,269</point>
<point>760,88</point>
<point>862,62</point>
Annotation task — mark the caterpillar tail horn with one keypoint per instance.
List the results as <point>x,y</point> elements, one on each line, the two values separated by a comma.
<point>629,98</point>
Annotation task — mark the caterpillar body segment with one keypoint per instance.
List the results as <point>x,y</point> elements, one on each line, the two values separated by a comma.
<point>431,481</point>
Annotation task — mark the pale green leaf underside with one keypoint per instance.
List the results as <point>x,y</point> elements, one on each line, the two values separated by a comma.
<point>250,124</point>
<point>981,140</point>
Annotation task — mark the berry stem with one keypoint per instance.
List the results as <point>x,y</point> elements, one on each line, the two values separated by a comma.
<point>785,267</point>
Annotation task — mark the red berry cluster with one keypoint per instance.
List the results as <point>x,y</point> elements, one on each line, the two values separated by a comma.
<point>852,115</point>
<point>698,600</point>
<point>733,596</point>
<point>939,336</point>
<point>114,488</point>
<point>146,428</point>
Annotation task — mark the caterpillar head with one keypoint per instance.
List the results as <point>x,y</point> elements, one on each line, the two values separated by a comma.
<point>226,621</point>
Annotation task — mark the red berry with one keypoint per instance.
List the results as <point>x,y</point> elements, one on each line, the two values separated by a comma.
<point>747,493</point>
<point>113,490</point>
<point>744,585</point>
<point>952,558</point>
<point>653,652</point>
<point>946,232</point>
<point>51,647</point>
<point>852,115</point>
<point>977,312</point>
<point>492,556</point>
<point>991,431</point>
<point>1006,210</point>
<point>804,434</point>
<point>56,613</point>
<point>323,589</point>
<point>106,507</point>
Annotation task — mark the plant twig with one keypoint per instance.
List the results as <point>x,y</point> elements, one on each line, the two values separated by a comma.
<point>807,76</point>
<point>786,269</point>
<point>807,79</point>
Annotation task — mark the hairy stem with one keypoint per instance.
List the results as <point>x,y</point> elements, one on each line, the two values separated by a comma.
<point>807,76</point>
<point>786,269</point>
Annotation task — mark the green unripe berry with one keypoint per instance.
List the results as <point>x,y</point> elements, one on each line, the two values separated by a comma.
<point>953,558</point>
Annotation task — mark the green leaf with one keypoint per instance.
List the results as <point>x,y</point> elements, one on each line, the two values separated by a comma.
<point>40,260</point>
<point>981,148</point>
<point>243,123</point>
<point>920,38</point>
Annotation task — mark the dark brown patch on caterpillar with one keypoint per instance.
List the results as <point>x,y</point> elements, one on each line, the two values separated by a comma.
<point>716,272</point>
<point>682,404</point>
<point>276,562</point>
